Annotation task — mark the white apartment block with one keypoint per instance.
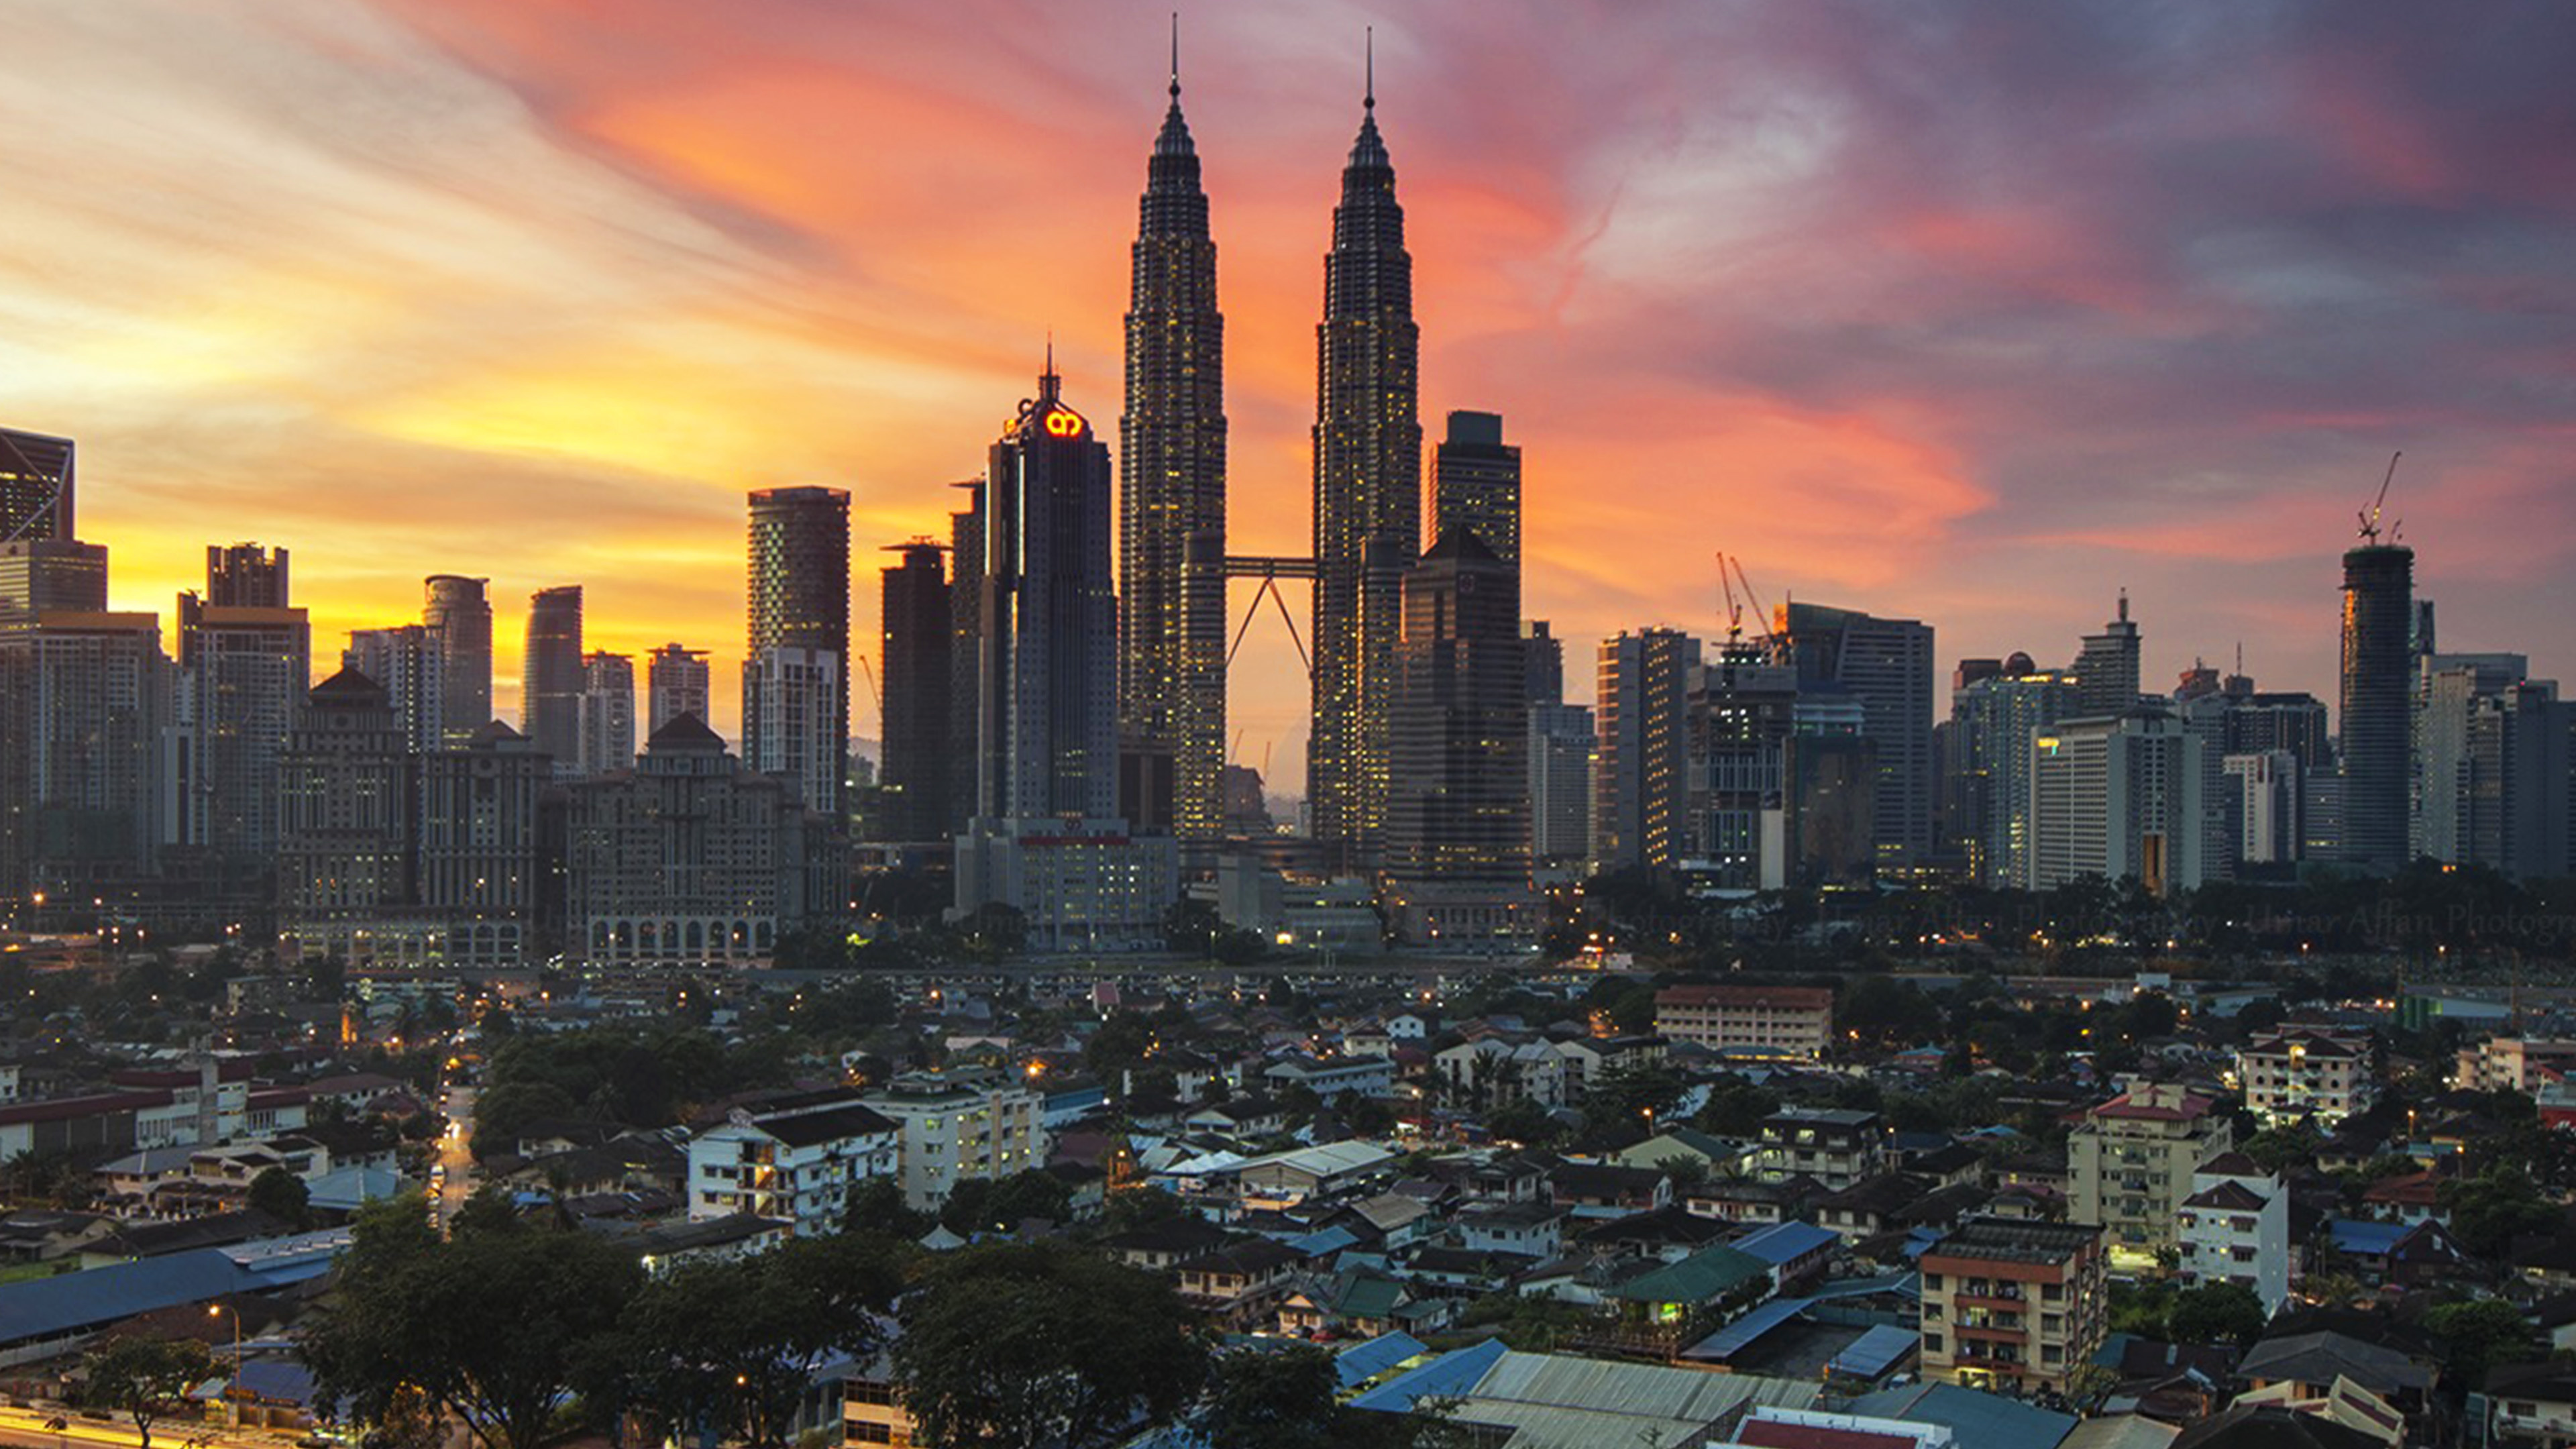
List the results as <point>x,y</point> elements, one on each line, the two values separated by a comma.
<point>794,1161</point>
<point>2514,1064</point>
<point>1791,1019</point>
<point>957,1127</point>
<point>2305,1075</point>
<point>2235,1228</point>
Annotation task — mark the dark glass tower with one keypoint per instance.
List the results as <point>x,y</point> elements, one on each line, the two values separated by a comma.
<point>1048,676</point>
<point>1476,485</point>
<point>35,487</point>
<point>1457,833</point>
<point>915,651</point>
<point>2378,629</point>
<point>799,587</point>
<point>550,686</point>
<point>1171,503</point>
<point>1368,500</point>
<point>965,656</point>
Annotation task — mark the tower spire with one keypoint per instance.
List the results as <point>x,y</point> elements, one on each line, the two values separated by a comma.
<point>1176,57</point>
<point>1368,99</point>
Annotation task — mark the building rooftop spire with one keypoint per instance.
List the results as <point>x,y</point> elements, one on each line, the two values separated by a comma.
<point>1176,59</point>
<point>1369,152</point>
<point>1368,98</point>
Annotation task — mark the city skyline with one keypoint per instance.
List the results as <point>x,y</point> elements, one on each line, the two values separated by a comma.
<point>561,295</point>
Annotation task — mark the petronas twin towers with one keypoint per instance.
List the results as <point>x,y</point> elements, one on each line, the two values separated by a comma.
<point>1368,497</point>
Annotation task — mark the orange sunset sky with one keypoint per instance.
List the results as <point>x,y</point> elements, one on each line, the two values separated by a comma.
<point>1974,312</point>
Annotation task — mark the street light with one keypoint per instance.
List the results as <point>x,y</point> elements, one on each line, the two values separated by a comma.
<point>232,1389</point>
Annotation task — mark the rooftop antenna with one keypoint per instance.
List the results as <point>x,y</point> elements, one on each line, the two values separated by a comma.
<point>2370,520</point>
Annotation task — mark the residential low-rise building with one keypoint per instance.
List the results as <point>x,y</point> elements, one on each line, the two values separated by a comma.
<point>1790,1019</point>
<point>2304,1075</point>
<point>2131,1162</point>
<point>1834,1146</point>
<point>2235,1228</point>
<point>794,1160</point>
<point>2514,1064</point>
<point>2013,1305</point>
<point>1368,1076</point>
<point>956,1126</point>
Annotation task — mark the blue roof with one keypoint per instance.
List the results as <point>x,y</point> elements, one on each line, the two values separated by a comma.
<point>1362,1362</point>
<point>280,1381</point>
<point>1903,1284</point>
<point>1781,1243</point>
<point>69,1303</point>
<point>1988,1421</point>
<point>1875,1352</point>
<point>1738,1336</point>
<point>1449,1376</point>
<point>2365,1237</point>
<point>1330,1240</point>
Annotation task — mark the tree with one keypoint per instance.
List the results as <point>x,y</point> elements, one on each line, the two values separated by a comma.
<point>283,1196</point>
<point>494,1326</point>
<point>2281,1149</point>
<point>147,1378</point>
<point>2478,1335</point>
<point>1525,1122</point>
<point>1736,1107</point>
<point>1627,1101</point>
<point>1265,1400</point>
<point>730,1348</point>
<point>2216,1313</point>
<point>2492,1209</point>
<point>1018,1344</point>
<point>877,1206</point>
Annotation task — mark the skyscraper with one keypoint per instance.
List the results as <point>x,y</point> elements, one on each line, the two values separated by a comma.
<point>799,561</point>
<point>35,486</point>
<point>607,713</point>
<point>965,657</point>
<point>244,672</point>
<point>1639,790</point>
<point>1368,499</point>
<point>346,820</point>
<point>245,576</point>
<point>2106,672</point>
<point>1476,485</point>
<point>1171,502</point>
<point>1048,675</point>
<point>458,611</point>
<point>2378,625</point>
<point>408,663</point>
<point>1458,815</point>
<point>85,698</point>
<point>917,621</point>
<point>2119,797</point>
<point>550,683</point>
<point>677,681</point>
<point>1886,664</point>
<point>47,575</point>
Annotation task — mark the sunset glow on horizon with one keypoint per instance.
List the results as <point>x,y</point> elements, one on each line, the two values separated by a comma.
<point>1973,313</point>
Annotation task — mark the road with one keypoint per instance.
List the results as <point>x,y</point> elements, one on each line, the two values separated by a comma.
<point>454,1179</point>
<point>25,1429</point>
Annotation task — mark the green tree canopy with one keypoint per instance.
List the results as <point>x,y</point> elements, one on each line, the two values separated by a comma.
<point>283,1196</point>
<point>494,1326</point>
<point>148,1378</point>
<point>2216,1313</point>
<point>1018,1344</point>
<point>2480,1335</point>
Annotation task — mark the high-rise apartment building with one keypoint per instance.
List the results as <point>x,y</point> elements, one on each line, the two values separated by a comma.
<point>1476,485</point>
<point>676,682</point>
<point>1992,721</point>
<point>1171,500</point>
<point>243,675</point>
<point>2013,1305</point>
<point>2377,679</point>
<point>1368,500</point>
<point>2119,797</point>
<point>2107,671</point>
<point>36,486</point>
<point>457,611</point>
<point>917,619</point>
<point>1561,744</point>
<point>1542,663</point>
<point>1740,715</point>
<point>799,560</point>
<point>965,658</point>
<point>477,867</point>
<point>1458,822</point>
<point>51,575</point>
<point>2266,806</point>
<point>792,733</point>
<point>550,677</point>
<point>607,713</point>
<point>245,576</point>
<point>412,668</point>
<point>85,698</point>
<point>1640,790</point>
<point>1886,664</point>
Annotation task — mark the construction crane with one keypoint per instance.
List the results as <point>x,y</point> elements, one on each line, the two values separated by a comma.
<point>1761,615</point>
<point>873,692</point>
<point>1734,606</point>
<point>2370,518</point>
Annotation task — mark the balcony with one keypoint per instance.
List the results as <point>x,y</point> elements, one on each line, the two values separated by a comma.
<point>2001,1296</point>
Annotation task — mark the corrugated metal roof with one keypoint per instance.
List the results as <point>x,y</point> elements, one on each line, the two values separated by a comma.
<point>1740,1335</point>
<point>1987,1421</point>
<point>1876,1351</point>
<point>1446,1377</point>
<point>1780,1243</point>
<point>1362,1362</point>
<point>1564,1381</point>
